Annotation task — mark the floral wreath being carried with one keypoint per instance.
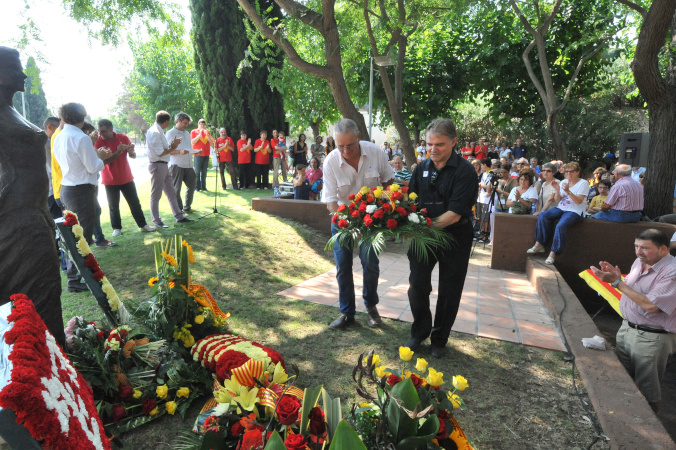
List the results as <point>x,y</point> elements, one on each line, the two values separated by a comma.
<point>378,213</point>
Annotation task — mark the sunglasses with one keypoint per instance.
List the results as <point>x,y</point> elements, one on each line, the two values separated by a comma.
<point>433,179</point>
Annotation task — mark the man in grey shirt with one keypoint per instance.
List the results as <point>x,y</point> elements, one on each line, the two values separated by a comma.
<point>180,165</point>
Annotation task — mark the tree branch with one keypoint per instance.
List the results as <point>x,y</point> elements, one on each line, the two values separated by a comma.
<point>302,13</point>
<point>577,72</point>
<point>640,9</point>
<point>531,73</point>
<point>522,18</point>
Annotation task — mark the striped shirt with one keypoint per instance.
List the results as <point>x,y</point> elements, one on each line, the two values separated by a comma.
<point>658,283</point>
<point>403,175</point>
<point>626,195</point>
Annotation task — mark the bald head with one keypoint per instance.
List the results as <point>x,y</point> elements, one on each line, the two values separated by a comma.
<point>622,170</point>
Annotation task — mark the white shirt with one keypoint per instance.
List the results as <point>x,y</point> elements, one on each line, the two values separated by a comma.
<point>157,143</point>
<point>530,195</point>
<point>75,154</point>
<point>184,161</point>
<point>484,196</point>
<point>567,204</point>
<point>341,180</point>
<point>506,153</point>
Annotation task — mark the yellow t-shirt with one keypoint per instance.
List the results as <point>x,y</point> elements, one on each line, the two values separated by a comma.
<point>598,201</point>
<point>57,176</point>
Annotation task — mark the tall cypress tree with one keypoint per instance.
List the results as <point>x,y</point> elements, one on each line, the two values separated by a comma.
<point>36,102</point>
<point>220,42</point>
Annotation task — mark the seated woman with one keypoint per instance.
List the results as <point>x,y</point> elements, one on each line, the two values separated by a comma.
<point>549,188</point>
<point>597,202</point>
<point>571,197</point>
<point>314,176</point>
<point>520,200</point>
<point>301,185</point>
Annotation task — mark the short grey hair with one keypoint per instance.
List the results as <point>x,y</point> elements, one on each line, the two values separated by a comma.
<point>181,116</point>
<point>344,126</point>
<point>623,169</point>
<point>398,157</point>
<point>442,127</point>
<point>550,166</point>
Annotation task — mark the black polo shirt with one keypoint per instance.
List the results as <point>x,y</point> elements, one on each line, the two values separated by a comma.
<point>454,187</point>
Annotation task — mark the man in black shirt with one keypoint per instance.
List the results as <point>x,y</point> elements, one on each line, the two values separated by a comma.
<point>446,184</point>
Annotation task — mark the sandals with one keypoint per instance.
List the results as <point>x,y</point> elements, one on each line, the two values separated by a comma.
<point>535,249</point>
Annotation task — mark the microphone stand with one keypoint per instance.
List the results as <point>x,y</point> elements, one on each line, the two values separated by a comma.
<point>216,196</point>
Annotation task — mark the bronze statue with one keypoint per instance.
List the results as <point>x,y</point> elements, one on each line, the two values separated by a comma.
<point>29,262</point>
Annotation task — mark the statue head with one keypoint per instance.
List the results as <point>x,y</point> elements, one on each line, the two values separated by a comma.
<point>11,72</point>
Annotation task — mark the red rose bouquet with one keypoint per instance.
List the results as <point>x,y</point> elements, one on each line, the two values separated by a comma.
<point>375,214</point>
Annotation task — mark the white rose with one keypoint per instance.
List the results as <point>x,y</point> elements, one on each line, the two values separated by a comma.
<point>413,217</point>
<point>370,209</point>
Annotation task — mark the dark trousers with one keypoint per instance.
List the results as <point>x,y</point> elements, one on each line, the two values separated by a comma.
<point>81,200</point>
<point>231,171</point>
<point>262,176</point>
<point>453,264</point>
<point>179,176</point>
<point>244,175</point>
<point>201,166</point>
<point>54,207</point>
<point>131,196</point>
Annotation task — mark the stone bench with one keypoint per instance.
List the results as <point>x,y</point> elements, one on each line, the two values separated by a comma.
<point>309,212</point>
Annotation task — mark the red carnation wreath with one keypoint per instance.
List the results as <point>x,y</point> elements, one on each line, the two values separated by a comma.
<point>48,395</point>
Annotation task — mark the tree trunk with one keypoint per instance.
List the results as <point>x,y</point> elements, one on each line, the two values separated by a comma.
<point>346,107</point>
<point>661,171</point>
<point>558,147</point>
<point>416,136</point>
<point>314,125</point>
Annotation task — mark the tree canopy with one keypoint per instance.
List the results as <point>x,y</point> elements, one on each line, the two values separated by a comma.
<point>34,95</point>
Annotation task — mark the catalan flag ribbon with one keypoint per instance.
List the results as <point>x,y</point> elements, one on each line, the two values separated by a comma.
<point>605,290</point>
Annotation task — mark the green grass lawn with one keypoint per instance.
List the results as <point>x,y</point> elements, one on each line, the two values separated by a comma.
<point>518,397</point>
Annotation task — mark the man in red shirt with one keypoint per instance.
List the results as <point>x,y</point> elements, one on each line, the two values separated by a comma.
<point>116,176</point>
<point>262,149</point>
<point>244,148</point>
<point>467,150</point>
<point>224,147</point>
<point>201,139</point>
<point>481,150</point>
<point>278,144</point>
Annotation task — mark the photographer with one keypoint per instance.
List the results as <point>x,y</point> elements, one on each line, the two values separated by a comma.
<point>485,190</point>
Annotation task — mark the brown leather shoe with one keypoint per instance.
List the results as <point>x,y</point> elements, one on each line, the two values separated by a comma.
<point>374,319</point>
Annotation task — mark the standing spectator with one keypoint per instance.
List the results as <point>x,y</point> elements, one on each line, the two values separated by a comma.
<point>521,163</point>
<point>534,166</point>
<point>244,148</point>
<point>180,165</point>
<point>519,150</point>
<point>300,151</point>
<point>225,148</point>
<point>548,189</point>
<point>80,164</point>
<point>485,190</point>
<point>262,161</point>
<point>493,152</point>
<point>314,177</point>
<point>201,140</point>
<point>159,151</point>
<point>506,153</point>
<point>504,188</point>
<point>301,185</point>
<point>572,204</point>
<point>647,336</point>
<point>330,145</point>
<point>50,125</point>
<point>356,164</point>
<point>468,150</point>
<point>446,187</point>
<point>117,178</point>
<point>317,150</point>
<point>636,172</point>
<point>278,145</point>
<point>481,150</point>
<point>421,150</point>
<point>401,174</point>
<point>625,200</point>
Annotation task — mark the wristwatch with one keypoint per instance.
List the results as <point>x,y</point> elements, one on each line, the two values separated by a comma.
<point>616,283</point>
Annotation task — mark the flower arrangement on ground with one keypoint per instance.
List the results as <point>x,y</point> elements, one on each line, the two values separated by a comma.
<point>406,408</point>
<point>134,379</point>
<point>117,308</point>
<point>178,310</point>
<point>378,213</point>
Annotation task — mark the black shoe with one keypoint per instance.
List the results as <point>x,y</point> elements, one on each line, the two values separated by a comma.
<point>105,243</point>
<point>161,225</point>
<point>224,188</point>
<point>184,220</point>
<point>374,319</point>
<point>412,343</point>
<point>77,286</point>
<point>341,322</point>
<point>438,352</point>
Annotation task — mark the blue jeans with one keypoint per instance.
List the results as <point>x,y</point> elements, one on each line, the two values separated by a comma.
<point>545,226</point>
<point>344,257</point>
<point>201,165</point>
<point>613,215</point>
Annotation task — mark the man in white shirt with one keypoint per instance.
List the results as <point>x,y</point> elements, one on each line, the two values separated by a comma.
<point>159,151</point>
<point>180,165</point>
<point>356,164</point>
<point>80,164</point>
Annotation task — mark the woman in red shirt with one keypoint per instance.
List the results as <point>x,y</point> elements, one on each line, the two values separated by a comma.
<point>244,160</point>
<point>224,147</point>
